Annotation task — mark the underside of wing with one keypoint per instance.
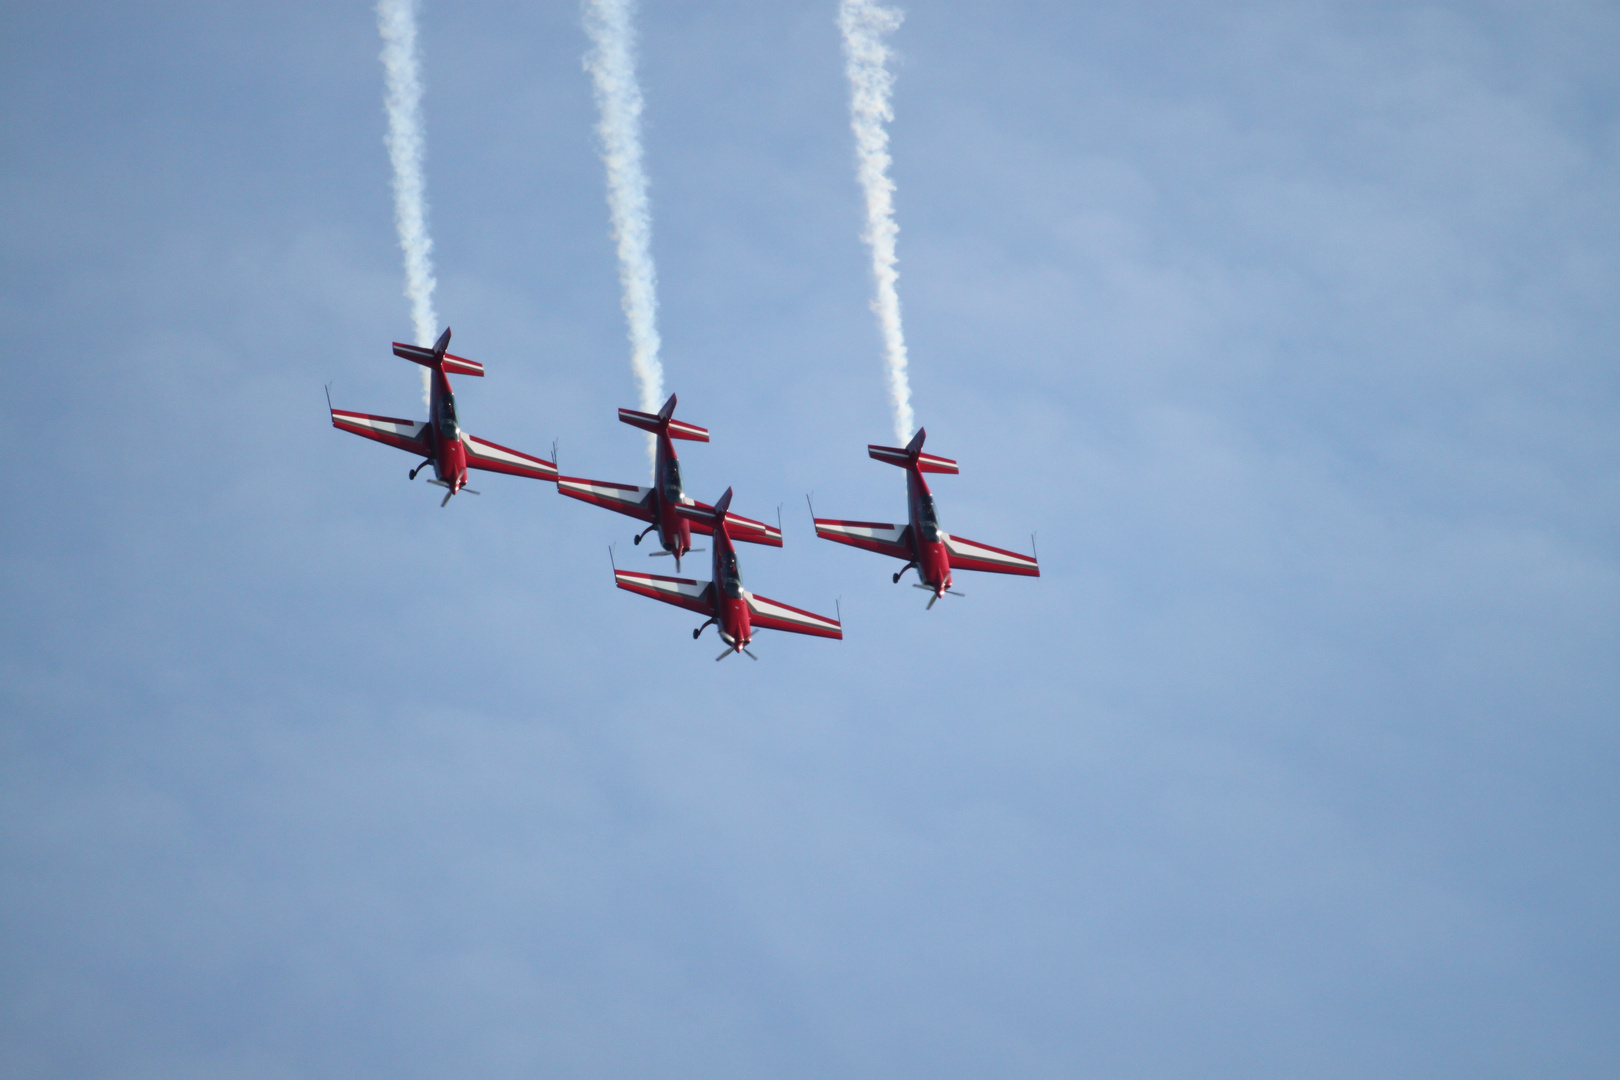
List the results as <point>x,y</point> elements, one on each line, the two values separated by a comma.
<point>875,536</point>
<point>624,498</point>
<point>482,454</point>
<point>754,532</point>
<point>407,435</point>
<point>771,615</point>
<point>682,592</point>
<point>971,555</point>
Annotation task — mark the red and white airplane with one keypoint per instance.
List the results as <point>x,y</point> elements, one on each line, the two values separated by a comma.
<point>923,544</point>
<point>735,612</point>
<point>440,440</point>
<point>659,504</point>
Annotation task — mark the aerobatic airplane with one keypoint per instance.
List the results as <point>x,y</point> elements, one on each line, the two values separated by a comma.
<point>923,544</point>
<point>735,612</point>
<point>659,503</point>
<point>440,440</point>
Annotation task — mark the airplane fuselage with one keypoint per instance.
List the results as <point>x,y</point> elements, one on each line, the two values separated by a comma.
<point>444,435</point>
<point>927,540</point>
<point>730,598</point>
<point>674,531</point>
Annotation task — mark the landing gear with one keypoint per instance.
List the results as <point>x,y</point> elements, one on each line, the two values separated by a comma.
<point>903,569</point>
<point>420,467</point>
<point>700,629</point>
<point>644,532</point>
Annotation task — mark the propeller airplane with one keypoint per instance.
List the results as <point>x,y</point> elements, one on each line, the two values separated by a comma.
<point>924,546</point>
<point>734,611</point>
<point>440,440</point>
<point>662,504</point>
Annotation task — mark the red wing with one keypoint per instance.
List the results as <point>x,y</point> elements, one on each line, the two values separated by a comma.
<point>682,592</point>
<point>623,498</point>
<point>405,434</point>
<point>971,555</point>
<point>875,536</point>
<point>482,454</point>
<point>767,613</point>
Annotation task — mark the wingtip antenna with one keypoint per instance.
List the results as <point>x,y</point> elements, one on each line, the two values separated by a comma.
<point>553,453</point>
<point>809,498</point>
<point>328,397</point>
<point>838,605</point>
<point>612,562</point>
<point>1035,551</point>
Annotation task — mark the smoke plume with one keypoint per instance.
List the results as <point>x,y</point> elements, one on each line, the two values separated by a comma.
<point>866,60</point>
<point>396,20</point>
<point>612,65</point>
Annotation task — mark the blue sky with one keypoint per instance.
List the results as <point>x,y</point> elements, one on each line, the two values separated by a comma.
<point>1289,327</point>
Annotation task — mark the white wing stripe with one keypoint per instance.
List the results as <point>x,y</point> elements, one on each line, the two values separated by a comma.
<point>777,611</point>
<point>404,429</point>
<point>693,590</point>
<point>616,492</point>
<point>886,533</point>
<point>968,549</point>
<point>489,450</point>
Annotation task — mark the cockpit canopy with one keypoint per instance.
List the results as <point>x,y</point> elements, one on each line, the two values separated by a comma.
<point>927,518</point>
<point>731,576</point>
<point>672,480</point>
<point>447,418</point>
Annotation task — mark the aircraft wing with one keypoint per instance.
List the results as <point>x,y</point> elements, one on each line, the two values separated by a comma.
<point>875,536</point>
<point>405,434</point>
<point>624,498</point>
<point>496,458</point>
<point>682,592</point>
<point>971,555</point>
<point>767,613</point>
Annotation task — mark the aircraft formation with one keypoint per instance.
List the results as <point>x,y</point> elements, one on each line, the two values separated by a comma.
<point>674,516</point>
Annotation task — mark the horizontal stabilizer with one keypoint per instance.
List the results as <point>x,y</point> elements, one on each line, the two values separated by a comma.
<point>455,365</point>
<point>741,529</point>
<point>894,455</point>
<point>676,429</point>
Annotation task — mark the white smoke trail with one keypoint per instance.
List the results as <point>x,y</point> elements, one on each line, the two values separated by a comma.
<point>612,64</point>
<point>866,60</point>
<point>396,20</point>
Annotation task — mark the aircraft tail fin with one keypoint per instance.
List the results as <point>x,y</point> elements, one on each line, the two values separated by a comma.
<point>664,421</point>
<point>436,357</point>
<point>912,454</point>
<point>706,515</point>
